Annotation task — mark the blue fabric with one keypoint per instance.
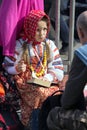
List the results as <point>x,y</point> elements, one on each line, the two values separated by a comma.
<point>34,119</point>
<point>82,53</point>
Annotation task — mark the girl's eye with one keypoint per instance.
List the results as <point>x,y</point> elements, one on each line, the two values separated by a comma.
<point>45,29</point>
<point>38,30</point>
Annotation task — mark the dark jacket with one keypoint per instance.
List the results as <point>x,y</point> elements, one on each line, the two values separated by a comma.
<point>73,96</point>
<point>72,99</point>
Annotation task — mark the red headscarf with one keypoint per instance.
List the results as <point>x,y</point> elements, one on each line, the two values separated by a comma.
<point>30,24</point>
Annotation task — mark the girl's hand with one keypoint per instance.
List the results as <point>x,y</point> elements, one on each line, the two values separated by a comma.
<point>44,78</point>
<point>21,67</point>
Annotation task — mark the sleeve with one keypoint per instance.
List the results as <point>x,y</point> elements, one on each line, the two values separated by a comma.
<point>75,84</point>
<point>9,65</point>
<point>55,66</point>
<point>10,62</point>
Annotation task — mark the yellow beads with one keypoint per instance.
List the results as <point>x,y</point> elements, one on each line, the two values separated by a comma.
<point>31,67</point>
<point>42,71</point>
<point>45,58</point>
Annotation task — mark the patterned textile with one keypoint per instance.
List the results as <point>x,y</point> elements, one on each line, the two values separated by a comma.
<point>30,24</point>
<point>32,95</point>
<point>11,96</point>
<point>2,93</point>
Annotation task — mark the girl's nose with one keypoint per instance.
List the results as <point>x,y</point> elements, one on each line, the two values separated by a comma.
<point>41,32</point>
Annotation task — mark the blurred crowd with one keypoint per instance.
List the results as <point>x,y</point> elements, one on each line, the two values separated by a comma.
<point>50,9</point>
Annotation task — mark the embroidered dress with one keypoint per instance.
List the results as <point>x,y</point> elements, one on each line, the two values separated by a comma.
<point>40,63</point>
<point>33,96</point>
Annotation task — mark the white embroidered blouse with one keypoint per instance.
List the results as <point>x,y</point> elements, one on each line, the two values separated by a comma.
<point>54,66</point>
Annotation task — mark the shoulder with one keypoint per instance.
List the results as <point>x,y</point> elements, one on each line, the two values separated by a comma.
<point>19,45</point>
<point>77,63</point>
<point>50,42</point>
<point>81,52</point>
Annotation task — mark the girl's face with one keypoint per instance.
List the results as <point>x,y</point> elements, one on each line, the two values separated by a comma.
<point>41,31</point>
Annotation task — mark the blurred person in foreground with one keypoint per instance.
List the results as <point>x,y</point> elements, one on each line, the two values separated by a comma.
<point>72,114</point>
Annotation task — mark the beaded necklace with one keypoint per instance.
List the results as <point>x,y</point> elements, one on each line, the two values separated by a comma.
<point>43,65</point>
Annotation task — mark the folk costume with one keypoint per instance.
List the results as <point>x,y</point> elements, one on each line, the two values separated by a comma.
<point>42,59</point>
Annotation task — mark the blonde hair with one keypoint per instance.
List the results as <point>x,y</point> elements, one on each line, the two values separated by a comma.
<point>48,51</point>
<point>26,57</point>
<point>25,53</point>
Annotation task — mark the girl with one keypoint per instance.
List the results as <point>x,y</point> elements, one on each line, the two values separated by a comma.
<point>35,57</point>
